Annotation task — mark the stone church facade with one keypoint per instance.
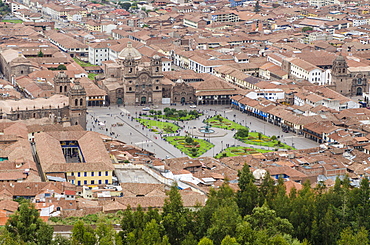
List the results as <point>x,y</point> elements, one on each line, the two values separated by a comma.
<point>131,81</point>
<point>348,81</point>
<point>67,106</point>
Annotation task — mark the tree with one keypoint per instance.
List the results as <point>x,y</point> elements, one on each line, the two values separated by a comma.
<point>205,241</point>
<point>151,234</point>
<point>189,140</point>
<point>105,232</point>
<point>259,136</point>
<point>126,5</point>
<point>182,113</point>
<point>60,240</point>
<point>174,220</point>
<point>224,222</point>
<point>257,7</point>
<point>264,218</point>
<point>242,133</point>
<point>347,237</point>
<point>61,67</point>
<point>247,195</point>
<point>193,113</point>
<point>306,28</point>
<point>83,235</point>
<point>26,225</point>
<point>40,54</point>
<point>229,241</point>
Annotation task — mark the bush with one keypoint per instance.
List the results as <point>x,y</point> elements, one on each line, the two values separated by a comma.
<point>243,132</point>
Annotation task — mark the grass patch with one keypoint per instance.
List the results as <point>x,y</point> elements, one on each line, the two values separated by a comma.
<point>253,139</point>
<point>195,149</point>
<point>221,122</point>
<point>13,21</point>
<point>239,151</point>
<point>92,76</point>
<point>157,126</point>
<point>83,64</point>
<point>173,118</point>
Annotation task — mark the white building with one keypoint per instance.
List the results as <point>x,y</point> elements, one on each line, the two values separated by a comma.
<point>270,94</point>
<point>98,52</point>
<point>302,69</point>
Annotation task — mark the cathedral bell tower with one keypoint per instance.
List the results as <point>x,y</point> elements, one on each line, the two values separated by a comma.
<point>77,105</point>
<point>61,83</point>
<point>156,65</point>
<point>339,73</point>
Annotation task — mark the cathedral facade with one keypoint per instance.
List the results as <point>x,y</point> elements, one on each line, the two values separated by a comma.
<point>131,80</point>
<point>348,81</point>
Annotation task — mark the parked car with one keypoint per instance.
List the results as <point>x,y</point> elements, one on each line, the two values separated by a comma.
<point>193,106</point>
<point>146,109</point>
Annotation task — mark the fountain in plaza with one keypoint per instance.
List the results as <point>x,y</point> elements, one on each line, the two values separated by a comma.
<point>206,130</point>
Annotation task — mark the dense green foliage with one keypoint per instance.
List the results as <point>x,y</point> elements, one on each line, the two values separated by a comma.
<point>256,215</point>
<point>259,215</point>
<point>5,9</point>
<point>25,226</point>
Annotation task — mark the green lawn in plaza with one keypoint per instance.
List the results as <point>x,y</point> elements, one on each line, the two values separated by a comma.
<point>157,126</point>
<point>221,122</point>
<point>190,146</point>
<point>255,138</point>
<point>174,115</point>
<point>239,151</point>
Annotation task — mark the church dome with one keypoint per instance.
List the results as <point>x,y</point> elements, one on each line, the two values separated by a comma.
<point>129,52</point>
<point>259,174</point>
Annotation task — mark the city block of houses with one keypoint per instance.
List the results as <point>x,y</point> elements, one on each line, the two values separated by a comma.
<point>299,66</point>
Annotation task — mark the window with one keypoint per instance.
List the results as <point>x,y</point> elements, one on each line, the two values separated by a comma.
<point>106,181</point>
<point>106,173</point>
<point>76,102</point>
<point>72,174</point>
<point>99,173</point>
<point>129,89</point>
<point>92,173</point>
<point>81,102</point>
<point>100,182</point>
<point>92,182</point>
<point>156,87</point>
<point>79,174</point>
<point>85,174</point>
<point>60,89</point>
<point>85,182</point>
<point>79,182</point>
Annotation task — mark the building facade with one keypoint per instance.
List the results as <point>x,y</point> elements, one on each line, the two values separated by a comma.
<point>66,106</point>
<point>346,81</point>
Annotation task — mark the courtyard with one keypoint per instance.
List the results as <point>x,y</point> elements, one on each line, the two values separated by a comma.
<point>105,120</point>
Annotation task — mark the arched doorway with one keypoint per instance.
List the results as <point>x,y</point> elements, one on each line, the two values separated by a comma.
<point>119,101</point>
<point>143,100</point>
<point>359,91</point>
<point>182,100</point>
